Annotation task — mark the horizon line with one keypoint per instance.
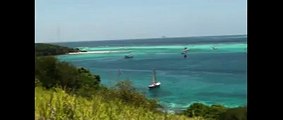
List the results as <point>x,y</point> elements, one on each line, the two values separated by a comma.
<point>161,37</point>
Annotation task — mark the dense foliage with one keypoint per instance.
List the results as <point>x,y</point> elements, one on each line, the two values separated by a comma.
<point>216,112</point>
<point>49,72</point>
<point>43,49</point>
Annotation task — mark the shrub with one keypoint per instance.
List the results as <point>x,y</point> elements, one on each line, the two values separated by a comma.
<point>125,92</point>
<point>216,112</point>
<point>197,109</point>
<point>239,113</point>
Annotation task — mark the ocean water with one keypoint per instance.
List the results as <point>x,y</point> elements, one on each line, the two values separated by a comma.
<point>207,75</point>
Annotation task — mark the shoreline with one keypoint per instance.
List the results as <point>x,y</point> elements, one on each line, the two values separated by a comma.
<point>179,110</point>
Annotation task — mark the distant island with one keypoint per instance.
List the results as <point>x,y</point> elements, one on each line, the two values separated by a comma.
<point>44,49</point>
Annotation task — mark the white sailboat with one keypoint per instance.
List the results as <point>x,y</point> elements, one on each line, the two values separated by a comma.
<point>154,83</point>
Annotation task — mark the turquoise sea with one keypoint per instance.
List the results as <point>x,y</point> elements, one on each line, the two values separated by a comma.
<point>215,71</point>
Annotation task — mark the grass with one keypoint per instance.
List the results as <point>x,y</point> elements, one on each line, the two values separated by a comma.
<point>58,105</point>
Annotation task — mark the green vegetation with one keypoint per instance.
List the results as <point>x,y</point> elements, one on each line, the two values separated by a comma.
<point>43,49</point>
<point>128,95</point>
<point>216,112</point>
<point>58,105</point>
<point>239,113</point>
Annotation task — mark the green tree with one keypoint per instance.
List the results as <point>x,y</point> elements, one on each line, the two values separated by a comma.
<point>50,73</point>
<point>68,76</point>
<point>45,71</point>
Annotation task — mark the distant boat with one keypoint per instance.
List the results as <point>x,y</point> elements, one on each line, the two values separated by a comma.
<point>185,52</point>
<point>128,56</point>
<point>154,83</point>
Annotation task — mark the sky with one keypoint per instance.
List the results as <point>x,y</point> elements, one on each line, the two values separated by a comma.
<point>90,20</point>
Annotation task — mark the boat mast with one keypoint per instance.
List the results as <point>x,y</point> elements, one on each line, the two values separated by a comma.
<point>154,76</point>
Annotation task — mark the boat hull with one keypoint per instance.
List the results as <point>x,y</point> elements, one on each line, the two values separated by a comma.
<point>154,85</point>
<point>127,57</point>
